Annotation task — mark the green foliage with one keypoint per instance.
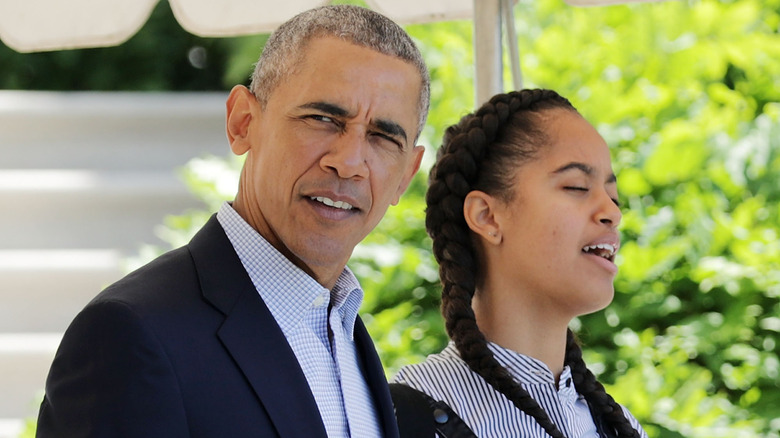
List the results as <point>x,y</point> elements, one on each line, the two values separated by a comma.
<point>688,95</point>
<point>397,269</point>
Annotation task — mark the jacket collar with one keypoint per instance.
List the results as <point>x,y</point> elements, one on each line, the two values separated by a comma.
<point>377,382</point>
<point>254,340</point>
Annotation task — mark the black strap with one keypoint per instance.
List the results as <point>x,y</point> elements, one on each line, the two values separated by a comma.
<point>412,411</point>
<point>420,416</point>
<point>603,430</point>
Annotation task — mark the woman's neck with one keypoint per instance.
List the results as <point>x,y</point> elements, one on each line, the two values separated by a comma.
<point>523,327</point>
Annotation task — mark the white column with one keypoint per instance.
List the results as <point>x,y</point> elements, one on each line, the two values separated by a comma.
<point>488,66</point>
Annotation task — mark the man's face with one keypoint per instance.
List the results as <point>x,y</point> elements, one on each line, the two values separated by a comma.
<point>332,149</point>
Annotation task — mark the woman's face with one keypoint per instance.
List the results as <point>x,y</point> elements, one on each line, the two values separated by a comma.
<point>559,231</point>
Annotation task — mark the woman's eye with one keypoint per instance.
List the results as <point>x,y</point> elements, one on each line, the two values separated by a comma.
<point>577,188</point>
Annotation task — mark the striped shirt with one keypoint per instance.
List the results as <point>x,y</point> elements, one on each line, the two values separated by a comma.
<point>300,306</point>
<point>446,377</point>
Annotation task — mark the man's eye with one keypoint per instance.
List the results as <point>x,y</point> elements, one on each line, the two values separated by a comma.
<point>577,188</point>
<point>387,138</point>
<point>320,118</point>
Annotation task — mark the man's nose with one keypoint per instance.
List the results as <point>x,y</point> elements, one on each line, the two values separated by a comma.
<point>347,155</point>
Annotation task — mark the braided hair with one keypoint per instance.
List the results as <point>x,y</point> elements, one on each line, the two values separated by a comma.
<point>481,152</point>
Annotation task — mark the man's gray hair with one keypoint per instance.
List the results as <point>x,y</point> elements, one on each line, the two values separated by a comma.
<point>361,26</point>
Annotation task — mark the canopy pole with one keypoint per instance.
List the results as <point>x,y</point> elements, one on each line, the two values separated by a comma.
<point>488,67</point>
<point>511,40</point>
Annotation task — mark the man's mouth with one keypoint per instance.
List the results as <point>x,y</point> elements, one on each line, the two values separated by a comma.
<point>331,203</point>
<point>604,250</point>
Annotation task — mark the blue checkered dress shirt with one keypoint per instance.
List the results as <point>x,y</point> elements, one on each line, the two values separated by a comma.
<point>300,306</point>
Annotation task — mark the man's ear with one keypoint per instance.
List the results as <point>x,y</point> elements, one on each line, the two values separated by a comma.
<point>240,113</point>
<point>479,210</point>
<point>411,170</point>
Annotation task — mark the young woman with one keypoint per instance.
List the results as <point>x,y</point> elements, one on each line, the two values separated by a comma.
<point>523,212</point>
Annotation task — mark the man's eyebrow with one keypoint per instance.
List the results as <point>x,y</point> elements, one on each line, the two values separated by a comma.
<point>584,168</point>
<point>328,108</point>
<point>391,128</point>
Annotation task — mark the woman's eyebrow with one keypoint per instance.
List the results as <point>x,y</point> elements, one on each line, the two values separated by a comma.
<point>584,168</point>
<point>574,165</point>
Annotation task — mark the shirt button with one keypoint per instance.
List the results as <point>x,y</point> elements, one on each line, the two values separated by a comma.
<point>319,301</point>
<point>440,416</point>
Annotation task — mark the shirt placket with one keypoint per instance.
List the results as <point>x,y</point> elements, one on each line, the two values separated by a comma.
<point>322,370</point>
<point>568,396</point>
<point>357,398</point>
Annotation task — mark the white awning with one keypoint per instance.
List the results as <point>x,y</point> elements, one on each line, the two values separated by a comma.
<point>43,25</point>
<point>40,25</point>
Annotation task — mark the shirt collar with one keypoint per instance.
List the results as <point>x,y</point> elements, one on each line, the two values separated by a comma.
<point>526,370</point>
<point>288,292</point>
<point>347,296</point>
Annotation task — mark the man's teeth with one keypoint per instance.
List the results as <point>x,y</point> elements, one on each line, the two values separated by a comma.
<point>607,250</point>
<point>331,203</point>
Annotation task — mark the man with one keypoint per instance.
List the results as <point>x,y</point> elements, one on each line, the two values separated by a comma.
<point>251,329</point>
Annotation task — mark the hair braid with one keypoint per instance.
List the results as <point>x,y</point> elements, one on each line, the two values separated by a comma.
<point>457,172</point>
<point>594,392</point>
<point>481,152</point>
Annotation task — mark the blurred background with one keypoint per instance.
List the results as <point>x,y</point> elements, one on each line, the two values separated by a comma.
<point>109,156</point>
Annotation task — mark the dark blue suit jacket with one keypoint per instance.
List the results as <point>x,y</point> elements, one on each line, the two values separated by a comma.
<point>185,347</point>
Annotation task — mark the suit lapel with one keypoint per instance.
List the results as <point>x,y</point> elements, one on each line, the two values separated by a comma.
<point>252,337</point>
<point>258,346</point>
<point>377,382</point>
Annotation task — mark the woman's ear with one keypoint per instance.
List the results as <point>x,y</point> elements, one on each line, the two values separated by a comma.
<point>239,116</point>
<point>479,210</point>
